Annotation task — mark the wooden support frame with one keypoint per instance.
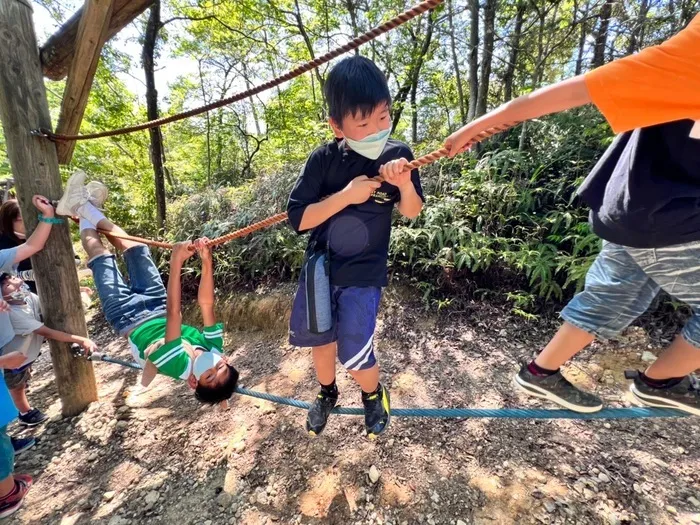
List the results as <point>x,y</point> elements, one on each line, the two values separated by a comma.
<point>58,51</point>
<point>23,107</point>
<point>92,34</point>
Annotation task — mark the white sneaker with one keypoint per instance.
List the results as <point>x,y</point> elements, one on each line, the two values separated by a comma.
<point>97,193</point>
<point>74,196</point>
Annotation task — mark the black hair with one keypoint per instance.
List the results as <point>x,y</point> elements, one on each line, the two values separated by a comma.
<point>4,277</point>
<point>355,84</point>
<point>211,395</point>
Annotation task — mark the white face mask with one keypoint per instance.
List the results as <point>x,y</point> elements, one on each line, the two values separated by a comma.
<point>204,362</point>
<point>18,295</point>
<point>20,235</point>
<point>371,146</point>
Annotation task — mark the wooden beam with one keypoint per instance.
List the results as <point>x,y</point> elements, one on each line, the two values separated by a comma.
<point>92,33</point>
<point>23,107</point>
<point>57,52</point>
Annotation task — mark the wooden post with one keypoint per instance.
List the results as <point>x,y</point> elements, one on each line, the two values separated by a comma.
<point>92,33</point>
<point>57,52</point>
<point>23,107</point>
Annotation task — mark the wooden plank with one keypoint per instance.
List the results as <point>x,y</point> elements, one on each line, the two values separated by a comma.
<point>57,52</point>
<point>92,33</point>
<point>23,107</point>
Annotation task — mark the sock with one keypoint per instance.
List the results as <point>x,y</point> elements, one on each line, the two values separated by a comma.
<point>90,213</point>
<point>538,371</point>
<point>366,395</point>
<point>660,383</point>
<point>86,225</point>
<point>330,390</point>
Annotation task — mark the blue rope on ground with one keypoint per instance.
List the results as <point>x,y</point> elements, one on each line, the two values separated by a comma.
<point>454,413</point>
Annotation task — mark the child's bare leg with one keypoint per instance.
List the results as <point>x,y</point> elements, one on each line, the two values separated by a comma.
<point>565,344</point>
<point>324,363</point>
<point>367,379</point>
<point>19,397</point>
<point>679,360</point>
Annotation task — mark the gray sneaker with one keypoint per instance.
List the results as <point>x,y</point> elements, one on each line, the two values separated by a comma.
<point>683,396</point>
<point>557,389</point>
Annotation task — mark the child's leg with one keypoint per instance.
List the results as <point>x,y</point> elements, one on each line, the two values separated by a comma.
<point>679,359</point>
<point>324,363</point>
<point>19,397</point>
<point>617,292</point>
<point>91,218</point>
<point>368,379</point>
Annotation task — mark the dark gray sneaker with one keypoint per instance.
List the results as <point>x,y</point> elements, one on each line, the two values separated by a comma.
<point>557,389</point>
<point>683,396</point>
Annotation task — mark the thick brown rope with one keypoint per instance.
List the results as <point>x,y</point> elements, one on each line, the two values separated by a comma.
<point>281,217</point>
<point>395,22</point>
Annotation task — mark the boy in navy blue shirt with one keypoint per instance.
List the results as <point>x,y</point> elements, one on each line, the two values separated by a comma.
<point>349,215</point>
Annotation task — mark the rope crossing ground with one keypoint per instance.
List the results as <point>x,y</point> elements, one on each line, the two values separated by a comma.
<point>446,413</point>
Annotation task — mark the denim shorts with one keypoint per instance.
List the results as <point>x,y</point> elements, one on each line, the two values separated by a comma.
<point>127,306</point>
<point>7,454</point>
<point>354,310</point>
<point>624,281</point>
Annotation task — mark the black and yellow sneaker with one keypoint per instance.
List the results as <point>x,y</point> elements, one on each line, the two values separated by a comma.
<point>320,410</point>
<point>377,411</point>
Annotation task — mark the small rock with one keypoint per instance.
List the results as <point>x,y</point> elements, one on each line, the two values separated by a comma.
<point>648,357</point>
<point>671,510</point>
<point>239,447</point>
<point>603,478</point>
<point>262,498</point>
<point>435,497</point>
<point>660,463</point>
<point>588,493</point>
<point>374,474</point>
<point>637,488</point>
<point>694,502</point>
<point>152,497</point>
<point>122,424</point>
<point>108,496</point>
<point>208,522</point>
<point>224,499</point>
<point>549,505</point>
<point>93,456</point>
<point>460,522</point>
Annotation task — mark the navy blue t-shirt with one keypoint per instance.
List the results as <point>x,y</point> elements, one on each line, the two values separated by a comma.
<point>357,237</point>
<point>645,190</point>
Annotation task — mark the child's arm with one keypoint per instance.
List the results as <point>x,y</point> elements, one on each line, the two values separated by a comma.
<point>558,97</point>
<point>57,335</point>
<point>12,360</point>
<point>149,374</point>
<point>358,191</point>
<point>205,295</point>
<point>173,325</point>
<point>395,172</point>
<point>38,238</point>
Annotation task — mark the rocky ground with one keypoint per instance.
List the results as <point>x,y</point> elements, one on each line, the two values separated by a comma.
<point>160,458</point>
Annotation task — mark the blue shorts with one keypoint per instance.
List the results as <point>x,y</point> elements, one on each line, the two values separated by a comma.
<point>624,281</point>
<point>355,312</point>
<point>7,454</point>
<point>127,306</point>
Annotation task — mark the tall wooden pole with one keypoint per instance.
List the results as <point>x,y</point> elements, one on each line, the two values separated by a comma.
<point>23,107</point>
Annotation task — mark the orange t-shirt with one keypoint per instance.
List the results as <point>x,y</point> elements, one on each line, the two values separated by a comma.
<point>657,85</point>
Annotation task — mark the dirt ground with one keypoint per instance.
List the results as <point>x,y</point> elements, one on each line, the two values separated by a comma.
<point>160,458</point>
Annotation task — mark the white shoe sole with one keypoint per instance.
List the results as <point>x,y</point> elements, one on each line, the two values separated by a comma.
<point>658,403</point>
<point>77,179</point>
<point>535,391</point>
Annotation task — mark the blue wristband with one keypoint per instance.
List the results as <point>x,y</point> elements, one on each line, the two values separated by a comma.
<point>50,220</point>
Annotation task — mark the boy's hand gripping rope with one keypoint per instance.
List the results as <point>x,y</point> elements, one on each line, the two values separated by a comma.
<point>281,217</point>
<point>300,70</point>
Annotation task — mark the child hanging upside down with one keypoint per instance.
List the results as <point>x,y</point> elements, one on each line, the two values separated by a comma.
<point>143,311</point>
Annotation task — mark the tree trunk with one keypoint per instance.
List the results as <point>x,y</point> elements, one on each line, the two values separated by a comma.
<point>486,56</point>
<point>509,75</point>
<point>208,121</point>
<point>150,42</point>
<point>455,64</point>
<point>601,34</point>
<point>414,113</point>
<point>638,31</point>
<point>23,107</point>
<point>582,38</point>
<point>473,58</point>
<point>352,11</point>
<point>413,76</point>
